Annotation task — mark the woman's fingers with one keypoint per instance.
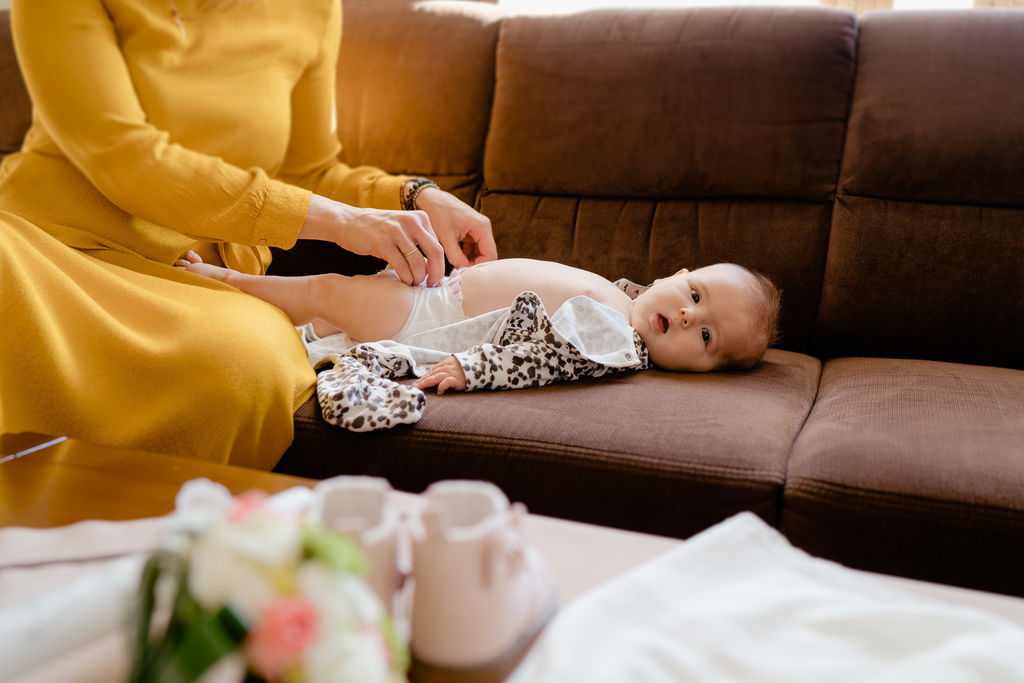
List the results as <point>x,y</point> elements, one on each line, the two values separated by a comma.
<point>412,249</point>
<point>405,239</point>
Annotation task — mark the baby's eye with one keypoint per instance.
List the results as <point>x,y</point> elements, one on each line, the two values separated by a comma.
<point>705,334</point>
<point>695,295</point>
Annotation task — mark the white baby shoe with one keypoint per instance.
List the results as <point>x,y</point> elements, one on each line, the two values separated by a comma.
<point>481,594</point>
<point>361,508</point>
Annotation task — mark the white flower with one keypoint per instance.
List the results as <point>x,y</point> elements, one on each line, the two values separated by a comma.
<point>346,601</point>
<point>237,563</point>
<point>199,503</point>
<point>349,646</point>
<point>349,657</point>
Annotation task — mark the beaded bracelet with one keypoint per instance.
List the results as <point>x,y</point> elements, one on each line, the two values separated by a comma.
<point>411,190</point>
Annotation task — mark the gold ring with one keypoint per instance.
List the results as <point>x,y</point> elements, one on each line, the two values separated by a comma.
<point>409,253</point>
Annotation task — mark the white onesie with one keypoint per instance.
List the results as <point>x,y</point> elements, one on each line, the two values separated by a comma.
<point>432,307</point>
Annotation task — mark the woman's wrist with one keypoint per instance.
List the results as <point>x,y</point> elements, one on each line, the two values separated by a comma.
<point>323,218</point>
<point>411,190</point>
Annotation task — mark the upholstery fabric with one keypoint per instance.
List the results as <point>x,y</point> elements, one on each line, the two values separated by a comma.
<point>643,240</point>
<point>913,467</point>
<point>680,466</point>
<point>927,239</point>
<point>429,117</point>
<point>934,281</point>
<point>672,103</point>
<point>937,112</point>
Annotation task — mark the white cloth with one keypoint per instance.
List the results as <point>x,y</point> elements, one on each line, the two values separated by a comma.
<point>739,603</point>
<point>65,588</point>
<point>433,307</point>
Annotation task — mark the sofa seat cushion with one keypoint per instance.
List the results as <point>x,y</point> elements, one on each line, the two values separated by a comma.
<point>915,468</point>
<point>652,451</point>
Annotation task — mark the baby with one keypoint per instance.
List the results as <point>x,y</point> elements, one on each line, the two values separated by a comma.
<point>717,317</point>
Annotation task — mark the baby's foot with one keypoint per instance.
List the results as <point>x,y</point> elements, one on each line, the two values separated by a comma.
<point>191,262</point>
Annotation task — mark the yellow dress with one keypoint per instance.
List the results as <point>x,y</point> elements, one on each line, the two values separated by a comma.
<point>160,126</point>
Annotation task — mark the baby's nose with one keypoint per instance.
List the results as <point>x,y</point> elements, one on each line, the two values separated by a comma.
<point>684,317</point>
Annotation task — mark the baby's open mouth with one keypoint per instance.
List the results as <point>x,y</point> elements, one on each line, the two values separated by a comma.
<point>660,323</point>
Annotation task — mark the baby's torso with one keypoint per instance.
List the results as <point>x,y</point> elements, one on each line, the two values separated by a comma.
<point>495,284</point>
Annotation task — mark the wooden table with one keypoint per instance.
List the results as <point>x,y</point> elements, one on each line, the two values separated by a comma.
<point>71,481</point>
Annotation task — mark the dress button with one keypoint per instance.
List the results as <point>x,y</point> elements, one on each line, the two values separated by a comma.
<point>629,356</point>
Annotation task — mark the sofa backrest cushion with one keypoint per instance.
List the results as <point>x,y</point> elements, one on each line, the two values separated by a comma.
<point>926,257</point>
<point>415,84</point>
<point>672,104</point>
<point>635,142</point>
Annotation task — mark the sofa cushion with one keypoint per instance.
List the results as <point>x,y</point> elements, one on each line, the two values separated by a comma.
<point>672,103</point>
<point>415,82</point>
<point>654,451</point>
<point>927,241</point>
<point>937,109</point>
<point>914,468</point>
<point>646,239</point>
<point>927,281</point>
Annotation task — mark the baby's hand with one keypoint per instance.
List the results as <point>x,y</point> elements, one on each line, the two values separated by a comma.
<point>447,374</point>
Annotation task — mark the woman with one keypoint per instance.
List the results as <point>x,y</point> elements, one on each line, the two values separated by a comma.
<point>166,125</point>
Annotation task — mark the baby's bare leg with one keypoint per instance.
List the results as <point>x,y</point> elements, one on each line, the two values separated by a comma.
<point>366,307</point>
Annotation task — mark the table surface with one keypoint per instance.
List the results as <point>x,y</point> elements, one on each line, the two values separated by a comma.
<point>69,481</point>
<point>73,480</point>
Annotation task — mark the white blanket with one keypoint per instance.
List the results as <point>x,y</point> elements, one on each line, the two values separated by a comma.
<point>738,603</point>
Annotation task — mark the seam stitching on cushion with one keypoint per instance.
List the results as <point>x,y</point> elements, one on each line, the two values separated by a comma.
<point>815,337</point>
<point>603,457</point>
<point>792,444</point>
<point>919,507</point>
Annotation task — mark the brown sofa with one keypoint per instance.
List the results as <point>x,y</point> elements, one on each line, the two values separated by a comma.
<point>873,167</point>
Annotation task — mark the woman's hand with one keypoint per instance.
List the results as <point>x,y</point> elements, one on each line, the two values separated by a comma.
<point>404,239</point>
<point>464,233</point>
<point>448,374</point>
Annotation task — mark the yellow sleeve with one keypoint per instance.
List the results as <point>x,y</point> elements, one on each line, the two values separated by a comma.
<point>313,148</point>
<point>82,92</point>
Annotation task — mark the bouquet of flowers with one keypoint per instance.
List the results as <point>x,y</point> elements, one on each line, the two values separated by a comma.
<point>255,581</point>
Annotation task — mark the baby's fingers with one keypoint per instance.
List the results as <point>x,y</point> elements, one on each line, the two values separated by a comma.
<point>450,382</point>
<point>431,379</point>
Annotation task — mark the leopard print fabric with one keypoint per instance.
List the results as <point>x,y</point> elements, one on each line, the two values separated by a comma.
<point>531,353</point>
<point>359,394</point>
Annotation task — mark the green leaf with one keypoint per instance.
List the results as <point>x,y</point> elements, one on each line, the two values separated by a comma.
<point>339,552</point>
<point>195,638</point>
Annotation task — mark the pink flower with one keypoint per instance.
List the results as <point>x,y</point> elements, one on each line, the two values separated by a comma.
<point>245,504</point>
<point>285,629</point>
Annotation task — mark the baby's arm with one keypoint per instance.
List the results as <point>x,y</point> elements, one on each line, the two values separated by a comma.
<point>518,365</point>
<point>366,307</point>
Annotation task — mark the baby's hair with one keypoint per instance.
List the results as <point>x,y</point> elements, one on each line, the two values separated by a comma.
<point>766,302</point>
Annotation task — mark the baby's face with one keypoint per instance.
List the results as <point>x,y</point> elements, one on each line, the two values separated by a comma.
<point>695,321</point>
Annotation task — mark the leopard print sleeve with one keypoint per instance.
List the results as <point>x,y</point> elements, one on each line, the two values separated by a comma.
<point>529,353</point>
<point>531,363</point>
